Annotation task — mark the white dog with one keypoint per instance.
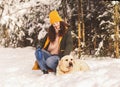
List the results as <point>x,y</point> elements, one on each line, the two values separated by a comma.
<point>68,64</point>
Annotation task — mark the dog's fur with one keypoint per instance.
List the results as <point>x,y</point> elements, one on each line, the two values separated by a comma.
<point>68,64</point>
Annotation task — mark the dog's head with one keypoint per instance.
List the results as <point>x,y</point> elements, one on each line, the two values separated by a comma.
<point>66,63</point>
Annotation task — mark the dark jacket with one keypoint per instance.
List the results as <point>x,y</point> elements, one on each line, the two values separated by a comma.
<point>66,44</point>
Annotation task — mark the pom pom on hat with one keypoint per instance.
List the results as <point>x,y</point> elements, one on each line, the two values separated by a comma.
<point>54,17</point>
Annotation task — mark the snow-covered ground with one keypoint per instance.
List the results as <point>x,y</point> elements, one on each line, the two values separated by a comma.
<point>16,71</point>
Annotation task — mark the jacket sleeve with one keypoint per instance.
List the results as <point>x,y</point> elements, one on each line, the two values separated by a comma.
<point>68,43</point>
<point>41,42</point>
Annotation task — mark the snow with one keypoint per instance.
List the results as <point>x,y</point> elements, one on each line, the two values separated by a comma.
<point>42,34</point>
<point>115,2</point>
<point>16,71</point>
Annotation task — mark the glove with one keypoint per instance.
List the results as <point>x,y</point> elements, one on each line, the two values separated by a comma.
<point>38,46</point>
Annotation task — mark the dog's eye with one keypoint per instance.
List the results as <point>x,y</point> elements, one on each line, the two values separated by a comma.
<point>66,60</point>
<point>71,59</point>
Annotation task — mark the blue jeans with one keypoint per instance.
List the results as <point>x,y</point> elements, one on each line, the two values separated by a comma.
<point>46,60</point>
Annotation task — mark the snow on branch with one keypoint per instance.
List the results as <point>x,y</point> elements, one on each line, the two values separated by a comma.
<point>25,18</point>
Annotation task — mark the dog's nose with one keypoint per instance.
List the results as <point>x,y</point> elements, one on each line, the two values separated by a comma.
<point>70,64</point>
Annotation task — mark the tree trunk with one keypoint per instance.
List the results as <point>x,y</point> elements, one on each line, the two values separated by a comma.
<point>82,20</point>
<point>64,10</point>
<point>79,28</point>
<point>116,43</point>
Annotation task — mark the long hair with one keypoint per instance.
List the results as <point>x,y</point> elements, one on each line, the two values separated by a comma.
<point>62,31</point>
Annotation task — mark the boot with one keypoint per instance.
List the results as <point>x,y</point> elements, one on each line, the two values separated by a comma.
<point>45,72</point>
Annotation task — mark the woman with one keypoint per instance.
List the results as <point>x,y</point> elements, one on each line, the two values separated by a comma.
<point>57,43</point>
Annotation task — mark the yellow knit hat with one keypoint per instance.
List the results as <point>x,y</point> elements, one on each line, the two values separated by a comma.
<point>54,17</point>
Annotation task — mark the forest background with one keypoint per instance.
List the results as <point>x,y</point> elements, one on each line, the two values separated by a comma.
<point>94,24</point>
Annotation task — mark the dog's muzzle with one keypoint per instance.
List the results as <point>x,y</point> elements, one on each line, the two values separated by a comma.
<point>70,64</point>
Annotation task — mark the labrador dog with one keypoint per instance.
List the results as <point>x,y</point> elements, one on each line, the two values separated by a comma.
<point>68,64</point>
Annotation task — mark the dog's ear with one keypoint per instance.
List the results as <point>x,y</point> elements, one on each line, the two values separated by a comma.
<point>58,72</point>
<point>74,61</point>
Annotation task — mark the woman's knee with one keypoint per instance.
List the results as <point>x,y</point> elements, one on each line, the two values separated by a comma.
<point>49,62</point>
<point>37,50</point>
<point>52,62</point>
<point>38,53</point>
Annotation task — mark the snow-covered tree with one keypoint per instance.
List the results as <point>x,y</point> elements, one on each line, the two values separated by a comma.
<point>99,27</point>
<point>23,19</point>
<point>25,22</point>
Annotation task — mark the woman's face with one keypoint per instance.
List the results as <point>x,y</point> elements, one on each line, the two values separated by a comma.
<point>56,25</point>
